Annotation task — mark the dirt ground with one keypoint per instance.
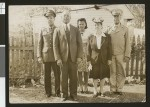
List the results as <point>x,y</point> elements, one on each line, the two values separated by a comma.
<point>132,93</point>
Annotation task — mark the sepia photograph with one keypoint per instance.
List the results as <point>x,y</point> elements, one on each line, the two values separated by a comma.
<point>91,53</point>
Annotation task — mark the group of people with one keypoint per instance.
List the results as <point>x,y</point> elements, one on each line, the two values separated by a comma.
<point>75,54</point>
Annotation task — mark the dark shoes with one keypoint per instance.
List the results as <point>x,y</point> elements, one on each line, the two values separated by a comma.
<point>81,92</point>
<point>48,95</point>
<point>117,93</point>
<point>74,98</point>
<point>101,94</point>
<point>65,98</point>
<point>98,94</point>
<point>58,95</point>
<point>55,95</point>
<point>95,95</point>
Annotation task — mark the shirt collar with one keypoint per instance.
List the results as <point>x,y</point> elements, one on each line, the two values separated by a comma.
<point>64,25</point>
<point>51,27</point>
<point>116,25</point>
<point>102,34</point>
<point>82,32</point>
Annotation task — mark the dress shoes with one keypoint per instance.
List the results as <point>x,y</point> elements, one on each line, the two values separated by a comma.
<point>74,98</point>
<point>65,98</point>
<point>119,93</point>
<point>57,95</point>
<point>48,95</point>
<point>101,94</point>
<point>95,95</point>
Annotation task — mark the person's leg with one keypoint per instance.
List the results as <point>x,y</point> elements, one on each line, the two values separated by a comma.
<point>95,82</point>
<point>65,79</point>
<point>73,79</point>
<point>113,75</point>
<point>121,74</point>
<point>57,78</point>
<point>86,76</point>
<point>47,78</point>
<point>80,81</point>
<point>102,82</point>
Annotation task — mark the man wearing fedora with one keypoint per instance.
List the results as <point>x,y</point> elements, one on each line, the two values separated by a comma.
<point>68,51</point>
<point>45,55</point>
<point>120,52</point>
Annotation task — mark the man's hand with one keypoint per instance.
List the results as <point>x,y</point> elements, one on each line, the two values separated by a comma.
<point>109,62</point>
<point>40,60</point>
<point>126,59</point>
<point>59,63</point>
<point>78,60</point>
<point>90,66</point>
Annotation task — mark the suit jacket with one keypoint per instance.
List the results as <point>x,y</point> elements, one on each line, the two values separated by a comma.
<point>120,40</point>
<point>60,44</point>
<point>106,49</point>
<point>45,44</point>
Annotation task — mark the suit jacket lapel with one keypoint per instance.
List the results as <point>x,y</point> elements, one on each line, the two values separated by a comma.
<point>63,32</point>
<point>71,32</point>
<point>95,42</point>
<point>102,41</point>
<point>53,29</point>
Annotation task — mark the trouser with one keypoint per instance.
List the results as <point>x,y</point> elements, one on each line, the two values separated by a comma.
<point>69,71</point>
<point>47,69</point>
<point>117,74</point>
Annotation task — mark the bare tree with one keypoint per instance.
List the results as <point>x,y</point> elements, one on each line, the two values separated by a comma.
<point>138,10</point>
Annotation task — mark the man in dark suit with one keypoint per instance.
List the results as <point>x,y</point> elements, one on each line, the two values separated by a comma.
<point>68,50</point>
<point>45,54</point>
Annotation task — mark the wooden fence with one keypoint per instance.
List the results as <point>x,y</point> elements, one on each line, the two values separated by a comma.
<point>136,66</point>
<point>23,61</point>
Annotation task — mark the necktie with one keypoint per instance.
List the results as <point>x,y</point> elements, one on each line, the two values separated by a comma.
<point>50,29</point>
<point>67,30</point>
<point>68,39</point>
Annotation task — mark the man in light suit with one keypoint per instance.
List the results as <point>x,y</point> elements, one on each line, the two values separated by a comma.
<point>68,51</point>
<point>121,50</point>
<point>45,54</point>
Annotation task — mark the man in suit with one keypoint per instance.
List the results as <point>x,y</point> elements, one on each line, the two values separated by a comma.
<point>45,54</point>
<point>68,51</point>
<point>121,52</point>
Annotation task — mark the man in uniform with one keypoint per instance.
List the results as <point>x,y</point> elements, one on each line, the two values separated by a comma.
<point>120,53</point>
<point>45,54</point>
